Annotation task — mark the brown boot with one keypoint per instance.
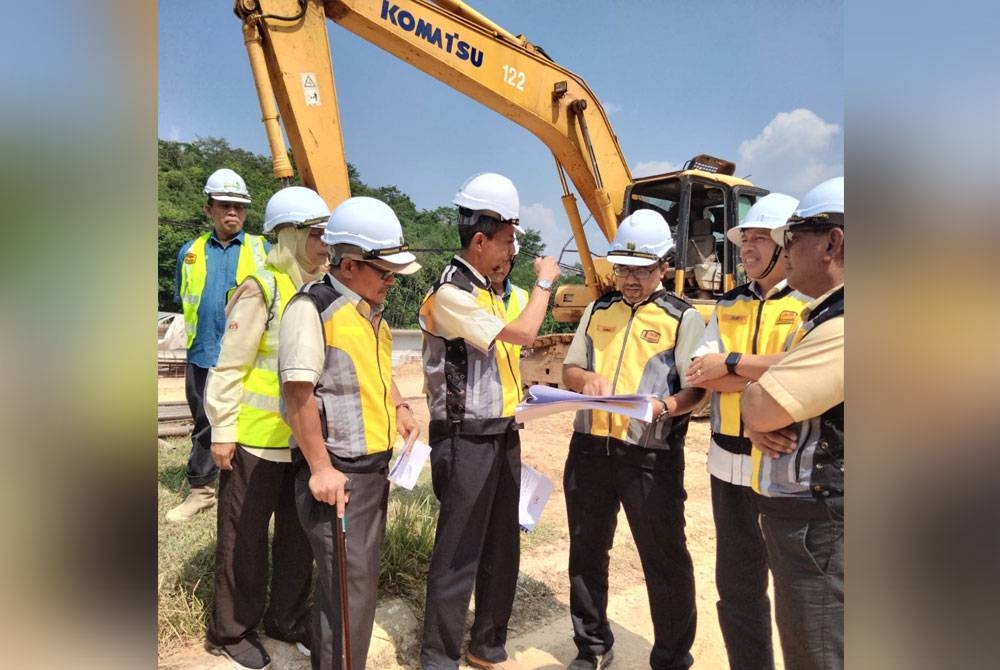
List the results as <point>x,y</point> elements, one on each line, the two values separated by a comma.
<point>200,498</point>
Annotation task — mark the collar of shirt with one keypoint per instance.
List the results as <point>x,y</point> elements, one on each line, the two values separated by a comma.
<point>238,238</point>
<point>475,272</point>
<point>755,288</point>
<point>370,312</point>
<point>652,296</point>
<point>808,310</point>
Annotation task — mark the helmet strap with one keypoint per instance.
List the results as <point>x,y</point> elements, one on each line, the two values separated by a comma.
<point>774,261</point>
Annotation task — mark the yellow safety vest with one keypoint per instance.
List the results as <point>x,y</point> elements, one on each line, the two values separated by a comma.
<point>194,273</point>
<point>515,305</point>
<point>463,382</point>
<point>354,389</point>
<point>750,325</point>
<point>633,347</point>
<point>259,423</point>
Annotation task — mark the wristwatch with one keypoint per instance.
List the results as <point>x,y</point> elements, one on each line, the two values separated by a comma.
<point>732,360</point>
<point>544,284</point>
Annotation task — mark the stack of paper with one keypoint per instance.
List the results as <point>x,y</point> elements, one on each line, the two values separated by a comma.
<point>544,400</point>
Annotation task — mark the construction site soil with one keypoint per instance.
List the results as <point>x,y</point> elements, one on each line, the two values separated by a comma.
<point>540,631</point>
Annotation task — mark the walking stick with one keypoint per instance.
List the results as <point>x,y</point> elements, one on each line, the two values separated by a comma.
<point>345,615</point>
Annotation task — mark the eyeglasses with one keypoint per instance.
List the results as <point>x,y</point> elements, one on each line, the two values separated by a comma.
<point>226,206</point>
<point>639,272</point>
<point>382,274</point>
<point>791,236</point>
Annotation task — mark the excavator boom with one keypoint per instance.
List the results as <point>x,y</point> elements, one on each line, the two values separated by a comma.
<point>452,43</point>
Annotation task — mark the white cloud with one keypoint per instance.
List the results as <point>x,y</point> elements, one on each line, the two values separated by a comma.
<point>611,108</point>
<point>793,153</point>
<point>175,134</point>
<point>646,168</point>
<point>554,231</point>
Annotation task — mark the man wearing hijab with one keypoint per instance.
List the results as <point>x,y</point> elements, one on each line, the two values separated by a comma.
<point>250,446</point>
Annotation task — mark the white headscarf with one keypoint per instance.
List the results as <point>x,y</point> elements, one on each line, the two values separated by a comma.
<point>289,256</point>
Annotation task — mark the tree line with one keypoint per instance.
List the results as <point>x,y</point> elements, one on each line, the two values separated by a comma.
<point>431,234</point>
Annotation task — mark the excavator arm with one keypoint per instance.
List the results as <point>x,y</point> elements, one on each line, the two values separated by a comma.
<point>291,62</point>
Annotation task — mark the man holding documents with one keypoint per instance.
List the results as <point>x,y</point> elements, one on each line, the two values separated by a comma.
<point>473,385</point>
<point>335,366</point>
<point>636,340</point>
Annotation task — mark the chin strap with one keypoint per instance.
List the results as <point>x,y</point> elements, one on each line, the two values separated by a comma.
<point>770,266</point>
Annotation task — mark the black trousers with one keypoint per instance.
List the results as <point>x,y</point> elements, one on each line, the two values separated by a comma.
<point>366,517</point>
<point>596,484</point>
<point>248,495</point>
<point>741,577</point>
<point>201,469</point>
<point>807,559</point>
<point>477,479</point>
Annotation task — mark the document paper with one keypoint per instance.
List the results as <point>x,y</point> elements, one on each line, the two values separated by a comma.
<point>544,400</point>
<point>408,466</point>
<point>535,491</point>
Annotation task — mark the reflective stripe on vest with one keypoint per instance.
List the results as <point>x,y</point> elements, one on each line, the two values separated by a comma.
<point>259,423</point>
<point>751,325</point>
<point>353,391</point>
<point>194,273</point>
<point>464,384</point>
<point>820,439</point>
<point>633,347</point>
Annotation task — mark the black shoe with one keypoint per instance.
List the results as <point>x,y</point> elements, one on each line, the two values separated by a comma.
<point>247,654</point>
<point>592,661</point>
<point>302,639</point>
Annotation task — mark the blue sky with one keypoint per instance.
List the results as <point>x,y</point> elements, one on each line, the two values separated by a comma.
<point>760,83</point>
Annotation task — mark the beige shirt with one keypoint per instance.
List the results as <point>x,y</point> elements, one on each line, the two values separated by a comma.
<point>302,354</point>
<point>810,379</point>
<point>246,319</point>
<point>457,314</point>
<point>688,336</point>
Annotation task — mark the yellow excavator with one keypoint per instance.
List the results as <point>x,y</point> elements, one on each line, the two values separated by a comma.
<point>289,53</point>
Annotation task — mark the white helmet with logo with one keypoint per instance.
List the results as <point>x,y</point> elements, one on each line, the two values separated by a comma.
<point>374,228</point>
<point>490,191</point>
<point>225,185</point>
<point>297,205</point>
<point>769,212</point>
<point>824,204</point>
<point>643,238</point>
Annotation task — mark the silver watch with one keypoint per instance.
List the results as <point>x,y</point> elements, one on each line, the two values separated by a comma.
<point>544,284</point>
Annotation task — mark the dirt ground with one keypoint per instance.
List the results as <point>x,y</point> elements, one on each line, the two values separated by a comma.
<point>541,634</point>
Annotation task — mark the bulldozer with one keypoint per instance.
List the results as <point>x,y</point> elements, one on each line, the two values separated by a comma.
<point>290,59</point>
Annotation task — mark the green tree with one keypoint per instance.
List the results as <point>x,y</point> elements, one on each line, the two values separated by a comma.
<point>431,234</point>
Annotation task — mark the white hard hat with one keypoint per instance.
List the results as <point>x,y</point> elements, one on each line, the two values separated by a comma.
<point>297,205</point>
<point>490,191</point>
<point>373,227</point>
<point>817,206</point>
<point>225,185</point>
<point>769,212</point>
<point>643,238</point>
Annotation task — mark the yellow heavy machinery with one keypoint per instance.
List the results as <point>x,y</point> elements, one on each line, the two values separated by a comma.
<point>290,58</point>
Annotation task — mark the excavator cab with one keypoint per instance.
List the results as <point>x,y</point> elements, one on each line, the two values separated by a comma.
<point>700,202</point>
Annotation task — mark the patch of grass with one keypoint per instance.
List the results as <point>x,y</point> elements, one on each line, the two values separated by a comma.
<point>409,541</point>
<point>544,533</point>
<point>186,554</point>
<point>186,557</point>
